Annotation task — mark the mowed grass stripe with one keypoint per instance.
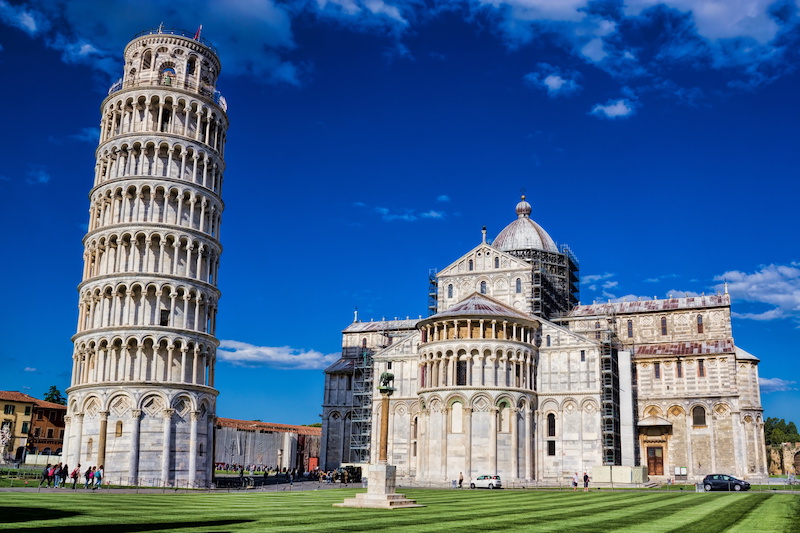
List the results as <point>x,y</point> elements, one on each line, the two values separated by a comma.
<point>509,511</point>
<point>778,514</point>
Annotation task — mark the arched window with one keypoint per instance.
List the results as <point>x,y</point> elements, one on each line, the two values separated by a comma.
<point>699,416</point>
<point>663,325</point>
<point>200,450</point>
<point>147,60</point>
<point>456,418</point>
<point>630,328</point>
<point>191,65</point>
<point>118,431</point>
<point>450,290</point>
<point>471,264</point>
<point>551,425</point>
<point>597,330</point>
<point>547,340</point>
<point>497,262</point>
<point>364,343</point>
<point>699,323</point>
<point>168,76</point>
<point>519,286</point>
<point>461,373</point>
<point>483,287</point>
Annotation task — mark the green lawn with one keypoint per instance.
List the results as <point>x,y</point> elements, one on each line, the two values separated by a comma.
<point>447,510</point>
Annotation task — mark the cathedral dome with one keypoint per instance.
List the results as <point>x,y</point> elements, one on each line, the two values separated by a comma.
<point>524,233</point>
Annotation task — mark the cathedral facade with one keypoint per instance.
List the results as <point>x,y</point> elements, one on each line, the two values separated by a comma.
<point>510,376</point>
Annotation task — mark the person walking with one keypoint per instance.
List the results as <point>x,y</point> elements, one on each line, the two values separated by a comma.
<point>460,479</point>
<point>63,475</point>
<point>585,482</point>
<point>89,475</point>
<point>75,475</point>
<point>56,475</point>
<point>45,476</point>
<point>98,477</point>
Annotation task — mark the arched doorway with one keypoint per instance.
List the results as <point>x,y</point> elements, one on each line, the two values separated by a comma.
<point>797,463</point>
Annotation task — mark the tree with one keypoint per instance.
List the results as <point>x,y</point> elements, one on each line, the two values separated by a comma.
<point>777,431</point>
<point>54,396</point>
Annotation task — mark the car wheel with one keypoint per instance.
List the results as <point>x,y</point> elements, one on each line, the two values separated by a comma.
<point>737,488</point>
<point>491,486</point>
<point>472,485</point>
<point>707,487</point>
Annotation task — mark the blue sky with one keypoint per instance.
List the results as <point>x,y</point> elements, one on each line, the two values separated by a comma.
<point>370,140</point>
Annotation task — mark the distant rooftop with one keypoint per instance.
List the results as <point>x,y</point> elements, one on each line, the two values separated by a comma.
<point>685,348</point>
<point>645,306</point>
<point>266,426</point>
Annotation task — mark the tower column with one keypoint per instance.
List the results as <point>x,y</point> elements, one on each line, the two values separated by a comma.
<point>165,451</point>
<point>133,463</point>
<point>101,446</point>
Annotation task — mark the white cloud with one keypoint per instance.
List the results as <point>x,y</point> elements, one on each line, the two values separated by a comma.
<point>555,81</point>
<point>776,385</point>
<point>594,50</point>
<point>777,286</point>
<point>90,135</point>
<point>614,109</point>
<point>284,357</point>
<point>20,17</point>
<point>29,369</point>
<point>37,176</point>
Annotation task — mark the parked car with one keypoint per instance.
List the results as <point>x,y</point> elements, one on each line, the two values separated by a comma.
<point>486,482</point>
<point>723,482</point>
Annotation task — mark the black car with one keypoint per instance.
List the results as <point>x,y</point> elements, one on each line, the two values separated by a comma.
<point>723,482</point>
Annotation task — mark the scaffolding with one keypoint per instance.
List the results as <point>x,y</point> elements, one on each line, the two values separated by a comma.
<point>433,292</point>
<point>610,400</point>
<point>361,423</point>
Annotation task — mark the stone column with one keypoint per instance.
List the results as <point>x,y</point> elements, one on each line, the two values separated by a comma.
<point>165,453</point>
<point>493,440</point>
<point>528,442</point>
<point>195,415</point>
<point>101,447</point>
<point>468,442</point>
<point>211,447</point>
<point>133,462</point>
<point>514,442</point>
<point>384,434</point>
<point>443,445</point>
<point>76,452</point>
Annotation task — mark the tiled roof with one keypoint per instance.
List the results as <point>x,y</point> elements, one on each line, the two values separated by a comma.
<point>651,306</point>
<point>478,304</point>
<point>266,426</point>
<point>16,396</point>
<point>49,405</point>
<point>342,366</point>
<point>382,325</point>
<point>685,348</point>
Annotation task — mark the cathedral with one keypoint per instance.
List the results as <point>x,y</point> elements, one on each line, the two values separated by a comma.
<point>511,376</point>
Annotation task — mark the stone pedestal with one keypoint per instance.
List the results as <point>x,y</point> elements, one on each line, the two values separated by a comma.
<point>380,491</point>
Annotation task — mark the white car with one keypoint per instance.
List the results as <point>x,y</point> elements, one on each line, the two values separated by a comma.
<point>486,482</point>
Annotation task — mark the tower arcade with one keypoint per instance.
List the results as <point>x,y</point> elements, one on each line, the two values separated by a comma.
<point>142,400</point>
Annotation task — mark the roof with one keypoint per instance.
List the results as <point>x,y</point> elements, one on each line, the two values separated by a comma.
<point>685,348</point>
<point>478,305</point>
<point>49,405</point>
<point>652,306</point>
<point>382,325</point>
<point>16,396</point>
<point>742,355</point>
<point>524,233</point>
<point>653,421</point>
<point>266,426</point>
<point>344,365</point>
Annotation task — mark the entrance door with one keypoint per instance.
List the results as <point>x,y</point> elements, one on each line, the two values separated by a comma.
<point>655,461</point>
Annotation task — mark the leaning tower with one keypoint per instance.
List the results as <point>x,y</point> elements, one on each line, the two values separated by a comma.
<point>142,398</point>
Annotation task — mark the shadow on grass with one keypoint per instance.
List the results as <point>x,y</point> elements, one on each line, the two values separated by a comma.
<point>27,514</point>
